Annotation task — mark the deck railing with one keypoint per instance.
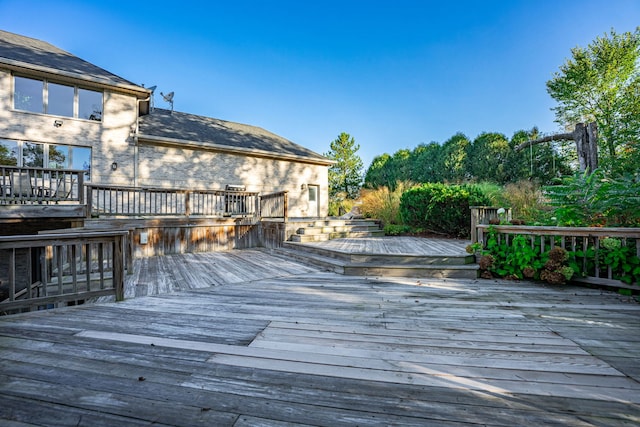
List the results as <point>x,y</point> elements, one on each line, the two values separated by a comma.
<point>44,271</point>
<point>108,200</point>
<point>274,205</point>
<point>26,185</point>
<point>586,242</point>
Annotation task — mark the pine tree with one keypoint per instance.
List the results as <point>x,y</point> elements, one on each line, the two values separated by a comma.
<point>345,176</point>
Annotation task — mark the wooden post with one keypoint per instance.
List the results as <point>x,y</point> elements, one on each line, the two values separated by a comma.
<point>89,206</point>
<point>118,267</point>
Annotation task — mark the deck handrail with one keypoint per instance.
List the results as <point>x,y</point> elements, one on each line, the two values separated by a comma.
<point>582,239</point>
<point>274,205</point>
<point>111,200</point>
<point>35,185</point>
<point>49,269</point>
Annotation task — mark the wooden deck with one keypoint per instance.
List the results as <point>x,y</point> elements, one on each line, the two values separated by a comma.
<point>253,340</point>
<point>397,246</point>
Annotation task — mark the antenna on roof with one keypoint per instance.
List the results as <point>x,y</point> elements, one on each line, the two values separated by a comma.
<point>152,89</point>
<point>168,98</point>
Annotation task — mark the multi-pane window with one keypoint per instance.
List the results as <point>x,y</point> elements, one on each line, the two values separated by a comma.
<point>51,156</point>
<point>42,96</point>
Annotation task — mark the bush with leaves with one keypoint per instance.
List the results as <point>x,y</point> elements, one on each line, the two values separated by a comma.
<point>593,199</point>
<point>441,208</point>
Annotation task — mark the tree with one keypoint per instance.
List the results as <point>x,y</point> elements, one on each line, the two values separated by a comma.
<point>345,176</point>
<point>453,159</point>
<point>488,156</point>
<point>601,83</point>
<point>379,173</point>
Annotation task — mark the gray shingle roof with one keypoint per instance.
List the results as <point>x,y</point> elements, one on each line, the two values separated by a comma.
<point>28,53</point>
<point>206,132</point>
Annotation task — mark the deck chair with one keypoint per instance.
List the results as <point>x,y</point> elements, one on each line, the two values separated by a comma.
<point>21,184</point>
<point>63,188</point>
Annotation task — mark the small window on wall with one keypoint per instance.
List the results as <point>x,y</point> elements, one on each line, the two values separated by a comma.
<point>28,95</point>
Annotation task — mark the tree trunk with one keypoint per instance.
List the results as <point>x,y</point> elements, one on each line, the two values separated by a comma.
<point>586,139</point>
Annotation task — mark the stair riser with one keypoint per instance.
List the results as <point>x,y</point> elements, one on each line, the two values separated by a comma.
<point>412,272</point>
<point>341,229</point>
<point>414,260</point>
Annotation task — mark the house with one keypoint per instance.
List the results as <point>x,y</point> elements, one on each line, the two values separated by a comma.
<point>60,113</point>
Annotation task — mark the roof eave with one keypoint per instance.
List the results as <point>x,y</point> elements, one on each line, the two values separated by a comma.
<point>210,146</point>
<point>37,70</point>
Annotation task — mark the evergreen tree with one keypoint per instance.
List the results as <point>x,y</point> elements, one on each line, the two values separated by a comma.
<point>345,176</point>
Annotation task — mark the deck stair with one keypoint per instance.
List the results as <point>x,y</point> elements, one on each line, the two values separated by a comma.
<point>323,230</point>
<point>392,265</point>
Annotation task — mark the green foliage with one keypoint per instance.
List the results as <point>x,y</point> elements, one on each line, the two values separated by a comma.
<point>396,230</point>
<point>441,208</point>
<point>519,257</point>
<point>602,83</point>
<point>622,260</point>
<point>383,204</point>
<point>345,176</point>
<point>490,158</point>
<point>516,260</point>
<point>591,199</point>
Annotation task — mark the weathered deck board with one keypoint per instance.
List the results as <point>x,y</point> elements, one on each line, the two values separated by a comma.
<point>396,245</point>
<point>244,339</point>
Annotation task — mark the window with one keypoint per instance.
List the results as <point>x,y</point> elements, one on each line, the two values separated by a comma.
<point>28,95</point>
<point>59,157</point>
<point>42,96</point>
<point>50,156</point>
<point>60,99</point>
<point>32,155</point>
<point>8,152</point>
<point>89,104</point>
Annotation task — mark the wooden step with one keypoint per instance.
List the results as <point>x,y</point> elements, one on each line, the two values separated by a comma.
<point>306,238</point>
<point>386,259</point>
<point>391,265</point>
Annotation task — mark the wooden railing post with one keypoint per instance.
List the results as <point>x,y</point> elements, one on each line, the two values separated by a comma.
<point>89,201</point>
<point>81,188</point>
<point>118,267</point>
<point>187,203</point>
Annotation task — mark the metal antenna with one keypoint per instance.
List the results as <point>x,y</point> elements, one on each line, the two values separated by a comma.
<point>168,98</point>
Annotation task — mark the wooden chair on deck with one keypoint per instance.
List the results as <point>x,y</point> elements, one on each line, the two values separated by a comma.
<point>21,186</point>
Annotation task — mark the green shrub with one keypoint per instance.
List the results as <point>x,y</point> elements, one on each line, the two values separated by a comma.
<point>441,208</point>
<point>593,199</point>
<point>396,230</point>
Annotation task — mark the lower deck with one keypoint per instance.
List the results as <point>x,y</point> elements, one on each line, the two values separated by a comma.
<point>242,338</point>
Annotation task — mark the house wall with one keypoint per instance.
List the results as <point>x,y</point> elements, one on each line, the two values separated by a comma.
<point>139,164</point>
<point>109,139</point>
<point>178,167</point>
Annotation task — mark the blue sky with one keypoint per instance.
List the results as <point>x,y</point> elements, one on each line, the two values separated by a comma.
<point>392,74</point>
